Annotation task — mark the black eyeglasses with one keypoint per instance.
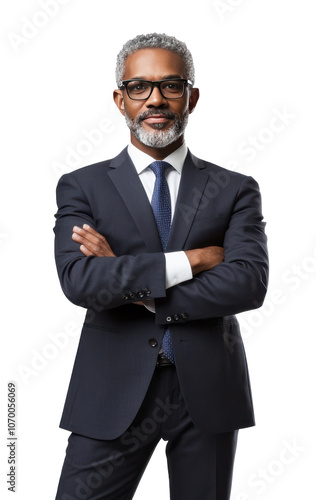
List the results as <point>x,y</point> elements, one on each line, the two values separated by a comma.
<point>140,90</point>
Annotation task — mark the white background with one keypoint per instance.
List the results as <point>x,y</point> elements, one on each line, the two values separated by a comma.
<point>254,60</point>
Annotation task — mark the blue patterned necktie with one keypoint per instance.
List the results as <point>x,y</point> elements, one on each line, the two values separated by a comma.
<point>161,205</point>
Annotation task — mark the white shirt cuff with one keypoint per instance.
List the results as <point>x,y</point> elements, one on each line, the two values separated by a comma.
<point>150,305</point>
<point>178,269</point>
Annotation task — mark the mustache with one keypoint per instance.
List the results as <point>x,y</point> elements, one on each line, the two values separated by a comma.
<point>153,112</point>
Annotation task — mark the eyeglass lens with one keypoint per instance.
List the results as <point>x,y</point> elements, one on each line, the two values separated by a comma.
<point>142,89</point>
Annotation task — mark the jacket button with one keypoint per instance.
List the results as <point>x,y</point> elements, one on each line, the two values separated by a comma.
<point>168,318</point>
<point>132,295</point>
<point>141,294</point>
<point>184,316</point>
<point>147,292</point>
<point>153,342</point>
<point>176,317</point>
<point>124,296</point>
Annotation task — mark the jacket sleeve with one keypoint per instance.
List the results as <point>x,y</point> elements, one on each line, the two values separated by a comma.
<point>236,285</point>
<point>99,282</point>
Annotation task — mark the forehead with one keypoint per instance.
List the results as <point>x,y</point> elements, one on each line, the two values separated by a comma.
<point>154,64</point>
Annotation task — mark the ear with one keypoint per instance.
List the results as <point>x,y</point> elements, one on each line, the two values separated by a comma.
<point>193,99</point>
<point>118,99</point>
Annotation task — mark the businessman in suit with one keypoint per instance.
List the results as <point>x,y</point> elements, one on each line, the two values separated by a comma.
<point>163,249</point>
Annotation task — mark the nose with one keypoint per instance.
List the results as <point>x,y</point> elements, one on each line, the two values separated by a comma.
<point>156,99</point>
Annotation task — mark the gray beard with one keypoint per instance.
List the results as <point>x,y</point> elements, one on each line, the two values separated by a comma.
<point>158,138</point>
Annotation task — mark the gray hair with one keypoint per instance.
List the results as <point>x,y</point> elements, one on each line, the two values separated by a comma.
<point>151,41</point>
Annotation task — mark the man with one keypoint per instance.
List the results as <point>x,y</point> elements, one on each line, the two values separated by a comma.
<point>163,249</point>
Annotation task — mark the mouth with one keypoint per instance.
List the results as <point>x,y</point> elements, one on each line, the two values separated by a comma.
<point>156,119</point>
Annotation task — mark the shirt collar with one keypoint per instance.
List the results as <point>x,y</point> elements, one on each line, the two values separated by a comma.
<point>141,160</point>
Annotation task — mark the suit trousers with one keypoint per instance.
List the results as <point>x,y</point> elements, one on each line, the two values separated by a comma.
<point>200,465</point>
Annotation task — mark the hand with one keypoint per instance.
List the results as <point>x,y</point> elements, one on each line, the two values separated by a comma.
<point>204,259</point>
<point>92,242</point>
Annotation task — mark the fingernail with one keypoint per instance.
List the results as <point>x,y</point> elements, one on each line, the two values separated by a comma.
<point>86,226</point>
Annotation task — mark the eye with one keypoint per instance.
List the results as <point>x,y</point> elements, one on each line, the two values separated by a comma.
<point>173,86</point>
<point>138,87</point>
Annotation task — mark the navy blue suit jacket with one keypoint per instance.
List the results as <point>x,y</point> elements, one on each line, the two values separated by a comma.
<point>117,351</point>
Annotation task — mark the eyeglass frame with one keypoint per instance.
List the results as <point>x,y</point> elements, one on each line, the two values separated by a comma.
<point>155,83</point>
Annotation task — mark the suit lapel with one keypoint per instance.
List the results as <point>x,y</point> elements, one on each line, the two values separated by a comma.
<point>126,180</point>
<point>193,180</point>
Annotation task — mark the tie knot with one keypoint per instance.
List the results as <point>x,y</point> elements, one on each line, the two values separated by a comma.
<point>159,167</point>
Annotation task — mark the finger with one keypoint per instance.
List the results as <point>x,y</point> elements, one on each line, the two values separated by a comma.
<point>84,232</point>
<point>92,247</point>
<point>94,233</point>
<point>85,251</point>
<point>93,240</point>
<point>93,237</point>
<point>90,230</point>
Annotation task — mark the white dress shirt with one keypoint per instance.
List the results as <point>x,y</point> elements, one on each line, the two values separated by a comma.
<point>178,268</point>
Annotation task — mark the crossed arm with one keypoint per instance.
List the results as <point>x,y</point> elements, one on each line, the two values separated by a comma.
<point>93,243</point>
<point>219,287</point>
